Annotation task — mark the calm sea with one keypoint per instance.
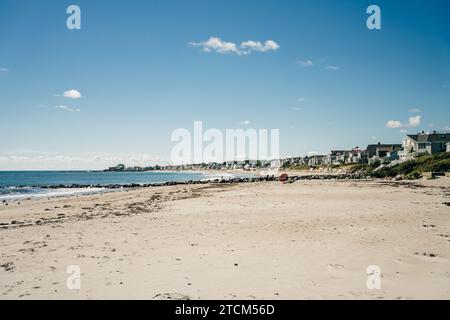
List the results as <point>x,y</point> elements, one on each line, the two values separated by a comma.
<point>25,184</point>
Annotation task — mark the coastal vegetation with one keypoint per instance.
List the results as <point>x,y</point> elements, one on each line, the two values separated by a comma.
<point>294,167</point>
<point>412,169</point>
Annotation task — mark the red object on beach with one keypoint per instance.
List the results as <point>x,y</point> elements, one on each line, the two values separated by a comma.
<point>283,178</point>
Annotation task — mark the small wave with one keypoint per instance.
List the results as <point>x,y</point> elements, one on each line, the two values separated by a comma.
<point>16,193</point>
<point>15,190</point>
<point>218,175</point>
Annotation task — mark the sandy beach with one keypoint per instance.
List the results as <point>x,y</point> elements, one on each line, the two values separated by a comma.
<point>306,240</point>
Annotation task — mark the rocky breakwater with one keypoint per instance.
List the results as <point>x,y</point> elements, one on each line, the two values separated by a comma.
<point>234,180</point>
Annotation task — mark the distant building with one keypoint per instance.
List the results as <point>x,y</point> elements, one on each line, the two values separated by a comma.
<point>426,142</point>
<point>448,146</point>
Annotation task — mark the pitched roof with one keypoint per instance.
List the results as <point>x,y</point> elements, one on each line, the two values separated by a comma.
<point>383,146</point>
<point>430,137</point>
<point>339,152</point>
<point>372,148</point>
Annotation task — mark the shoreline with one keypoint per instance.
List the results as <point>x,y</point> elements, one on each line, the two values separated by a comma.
<point>44,190</point>
<point>76,189</point>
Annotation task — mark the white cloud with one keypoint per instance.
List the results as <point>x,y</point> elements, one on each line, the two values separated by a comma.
<point>412,123</point>
<point>295,108</point>
<point>301,99</point>
<point>258,46</point>
<point>403,131</point>
<point>72,94</point>
<point>393,124</point>
<point>332,68</point>
<point>446,128</point>
<point>215,44</point>
<point>4,70</point>
<point>67,108</point>
<point>245,122</point>
<point>305,63</point>
<point>415,110</point>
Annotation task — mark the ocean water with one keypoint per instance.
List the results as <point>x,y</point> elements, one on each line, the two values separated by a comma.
<point>29,184</point>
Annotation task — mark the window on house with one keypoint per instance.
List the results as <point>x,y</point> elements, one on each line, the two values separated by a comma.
<point>422,145</point>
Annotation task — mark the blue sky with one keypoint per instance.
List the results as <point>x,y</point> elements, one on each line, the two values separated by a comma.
<point>331,84</point>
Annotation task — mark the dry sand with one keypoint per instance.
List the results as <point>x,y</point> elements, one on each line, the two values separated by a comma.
<point>306,240</point>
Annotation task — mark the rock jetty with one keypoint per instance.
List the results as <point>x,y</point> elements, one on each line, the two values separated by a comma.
<point>235,180</point>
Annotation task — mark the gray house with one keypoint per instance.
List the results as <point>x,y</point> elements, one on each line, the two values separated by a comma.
<point>426,142</point>
<point>316,160</point>
<point>380,152</point>
<point>337,157</point>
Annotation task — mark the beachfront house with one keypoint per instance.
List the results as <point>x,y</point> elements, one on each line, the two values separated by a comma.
<point>337,157</point>
<point>316,160</point>
<point>265,163</point>
<point>425,142</point>
<point>448,146</point>
<point>354,156</point>
<point>275,164</point>
<point>381,152</point>
<point>239,165</point>
<point>293,161</point>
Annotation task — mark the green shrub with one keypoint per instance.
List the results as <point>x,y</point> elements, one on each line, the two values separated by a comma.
<point>439,166</point>
<point>413,175</point>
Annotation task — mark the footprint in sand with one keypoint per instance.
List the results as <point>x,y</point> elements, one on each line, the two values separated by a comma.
<point>335,266</point>
<point>8,266</point>
<point>426,254</point>
<point>24,294</point>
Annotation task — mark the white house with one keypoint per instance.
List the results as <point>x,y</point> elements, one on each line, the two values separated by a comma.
<point>426,142</point>
<point>337,157</point>
<point>275,164</point>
